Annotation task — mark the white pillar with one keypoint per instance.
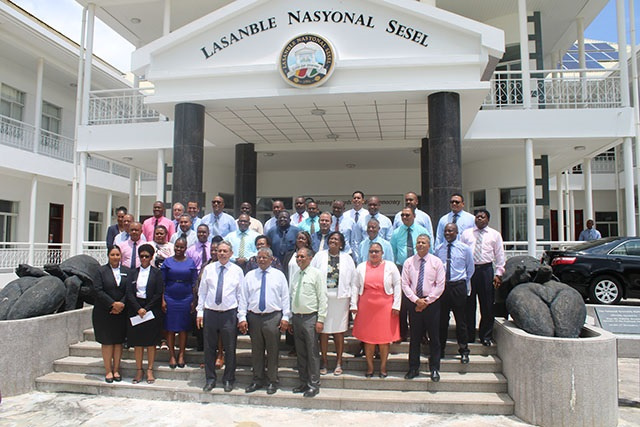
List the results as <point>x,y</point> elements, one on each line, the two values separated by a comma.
<point>82,173</point>
<point>531,197</point>
<point>32,218</point>
<point>629,193</point>
<point>524,53</point>
<point>132,192</point>
<point>109,209</point>
<point>560,196</point>
<point>572,214</point>
<point>160,176</point>
<point>580,30</point>
<point>74,181</point>
<point>166,20</point>
<point>636,95</point>
<point>567,207</point>
<point>622,53</point>
<point>38,105</point>
<point>588,188</point>
<point>138,192</point>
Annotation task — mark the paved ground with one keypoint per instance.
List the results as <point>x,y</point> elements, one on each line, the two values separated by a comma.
<point>60,410</point>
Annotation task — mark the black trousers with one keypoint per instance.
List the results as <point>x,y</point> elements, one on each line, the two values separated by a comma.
<point>405,303</point>
<point>428,320</point>
<point>454,298</point>
<point>482,286</point>
<point>224,323</point>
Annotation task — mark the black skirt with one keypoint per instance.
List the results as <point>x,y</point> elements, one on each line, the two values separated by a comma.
<point>109,328</point>
<point>145,334</point>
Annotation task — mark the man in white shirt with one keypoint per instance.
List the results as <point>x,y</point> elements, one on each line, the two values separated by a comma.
<point>254,224</point>
<point>299,205</point>
<point>219,296</point>
<point>265,314</point>
<point>184,230</point>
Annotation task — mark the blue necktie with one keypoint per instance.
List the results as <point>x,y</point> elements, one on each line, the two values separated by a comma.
<point>263,292</point>
<point>420,279</point>
<point>448,275</point>
<point>220,284</point>
<point>133,256</point>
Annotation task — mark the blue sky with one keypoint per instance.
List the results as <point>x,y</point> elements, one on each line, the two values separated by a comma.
<point>114,49</point>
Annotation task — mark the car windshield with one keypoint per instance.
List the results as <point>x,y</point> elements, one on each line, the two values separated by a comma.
<point>593,244</point>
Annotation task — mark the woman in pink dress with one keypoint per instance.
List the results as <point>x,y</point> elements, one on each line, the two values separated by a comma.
<point>375,303</point>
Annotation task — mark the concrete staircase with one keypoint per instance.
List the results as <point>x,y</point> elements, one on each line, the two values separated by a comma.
<point>478,388</point>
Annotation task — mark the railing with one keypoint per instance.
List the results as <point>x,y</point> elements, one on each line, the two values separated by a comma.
<point>121,106</point>
<point>555,89</point>
<point>12,254</point>
<point>15,133</point>
<point>56,146</point>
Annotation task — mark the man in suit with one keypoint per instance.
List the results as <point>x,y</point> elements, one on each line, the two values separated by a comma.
<point>264,312</point>
<point>320,239</point>
<point>118,227</point>
<point>283,237</point>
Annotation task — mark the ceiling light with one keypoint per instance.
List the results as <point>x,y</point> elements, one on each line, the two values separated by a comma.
<point>136,20</point>
<point>318,112</point>
<point>333,136</point>
<point>73,84</point>
<point>579,148</point>
<point>350,165</point>
<point>268,154</point>
<point>127,158</point>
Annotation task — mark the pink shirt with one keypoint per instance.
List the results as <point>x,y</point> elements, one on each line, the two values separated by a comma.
<point>126,249</point>
<point>433,282</point>
<point>492,248</point>
<point>150,223</point>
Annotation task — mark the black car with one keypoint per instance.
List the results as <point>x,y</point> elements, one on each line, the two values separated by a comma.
<point>604,270</point>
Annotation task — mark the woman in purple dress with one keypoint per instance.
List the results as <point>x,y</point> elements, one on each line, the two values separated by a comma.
<point>180,275</point>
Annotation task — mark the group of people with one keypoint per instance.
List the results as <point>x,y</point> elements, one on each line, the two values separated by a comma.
<point>305,275</point>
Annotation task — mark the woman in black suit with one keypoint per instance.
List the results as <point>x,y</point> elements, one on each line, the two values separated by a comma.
<point>109,316</point>
<point>144,294</point>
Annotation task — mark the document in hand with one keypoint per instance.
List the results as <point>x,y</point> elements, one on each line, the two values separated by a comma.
<point>136,320</point>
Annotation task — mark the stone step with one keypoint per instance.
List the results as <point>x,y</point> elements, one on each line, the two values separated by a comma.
<point>351,345</point>
<point>427,400</point>
<point>450,381</point>
<point>397,361</point>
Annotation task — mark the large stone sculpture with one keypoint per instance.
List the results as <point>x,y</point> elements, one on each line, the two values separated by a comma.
<point>57,288</point>
<point>539,304</point>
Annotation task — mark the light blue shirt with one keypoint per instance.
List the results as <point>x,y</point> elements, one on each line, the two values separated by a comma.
<point>462,267</point>
<point>221,225</point>
<point>305,225</point>
<point>387,250</point>
<point>191,236</point>
<point>422,218</point>
<point>399,241</point>
<point>235,237</point>
<point>270,224</point>
<point>386,227</point>
<point>589,234</point>
<point>465,220</point>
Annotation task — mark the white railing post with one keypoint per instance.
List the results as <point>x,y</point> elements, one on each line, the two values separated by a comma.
<point>32,218</point>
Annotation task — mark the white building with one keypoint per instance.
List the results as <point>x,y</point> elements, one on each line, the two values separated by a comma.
<point>362,127</point>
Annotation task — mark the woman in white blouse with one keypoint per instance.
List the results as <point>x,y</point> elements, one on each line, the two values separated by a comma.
<point>144,299</point>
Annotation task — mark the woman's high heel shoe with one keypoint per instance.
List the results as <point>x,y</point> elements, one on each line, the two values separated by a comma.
<point>138,376</point>
<point>150,378</point>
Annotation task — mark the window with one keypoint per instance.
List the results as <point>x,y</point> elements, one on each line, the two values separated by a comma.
<point>95,226</point>
<point>513,213</point>
<point>264,206</point>
<point>51,118</point>
<point>11,102</point>
<point>8,220</point>
<point>632,247</point>
<point>478,200</point>
<point>607,223</point>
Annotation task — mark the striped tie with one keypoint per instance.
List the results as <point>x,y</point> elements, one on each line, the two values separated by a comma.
<point>477,249</point>
<point>420,279</point>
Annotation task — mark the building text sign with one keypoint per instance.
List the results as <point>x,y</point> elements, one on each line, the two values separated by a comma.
<point>619,319</point>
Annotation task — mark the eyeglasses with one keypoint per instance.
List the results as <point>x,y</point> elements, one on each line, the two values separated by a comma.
<point>144,256</point>
<point>455,202</point>
<point>405,215</point>
<point>216,202</point>
<point>374,251</point>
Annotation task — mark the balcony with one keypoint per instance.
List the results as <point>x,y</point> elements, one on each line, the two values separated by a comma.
<point>555,89</point>
<point>121,106</point>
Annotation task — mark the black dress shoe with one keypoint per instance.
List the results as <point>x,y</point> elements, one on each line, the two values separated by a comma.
<point>253,387</point>
<point>464,359</point>
<point>301,388</point>
<point>108,380</point>
<point>435,375</point>
<point>228,386</point>
<point>272,388</point>
<point>311,392</point>
<point>411,374</point>
<point>486,342</point>
<point>368,375</point>
<point>210,385</point>
<point>359,353</point>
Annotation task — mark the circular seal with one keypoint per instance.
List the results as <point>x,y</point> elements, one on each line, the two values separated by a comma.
<point>307,60</point>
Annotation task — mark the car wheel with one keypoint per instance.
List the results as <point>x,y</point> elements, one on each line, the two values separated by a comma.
<point>606,290</point>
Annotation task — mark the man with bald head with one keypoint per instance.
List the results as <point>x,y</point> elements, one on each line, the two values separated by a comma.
<point>242,241</point>
<point>178,211</point>
<point>421,218</point>
<point>158,218</point>
<point>277,206</point>
<point>124,235</point>
<point>129,248</point>
<point>220,223</point>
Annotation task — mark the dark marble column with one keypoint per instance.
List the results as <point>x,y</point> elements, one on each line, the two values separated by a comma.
<point>444,153</point>
<point>188,154</point>
<point>246,177</point>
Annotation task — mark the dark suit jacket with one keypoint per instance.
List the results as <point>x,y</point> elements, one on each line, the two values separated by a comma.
<point>155,288</point>
<point>316,238</point>
<point>112,232</point>
<point>106,289</point>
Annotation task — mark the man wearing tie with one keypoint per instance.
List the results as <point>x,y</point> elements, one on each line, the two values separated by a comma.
<point>300,214</point>
<point>403,242</point>
<point>308,292</point>
<point>343,224</point>
<point>200,252</point>
<point>158,218</point>
<point>219,296</point>
<point>220,223</point>
<point>265,313</point>
<point>283,237</point>
<point>487,248</point>
<point>311,223</point>
<point>129,248</point>
<point>458,216</point>
<point>320,239</point>
<point>423,278</point>
<point>184,230</point>
<point>458,260</point>
<point>242,241</point>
